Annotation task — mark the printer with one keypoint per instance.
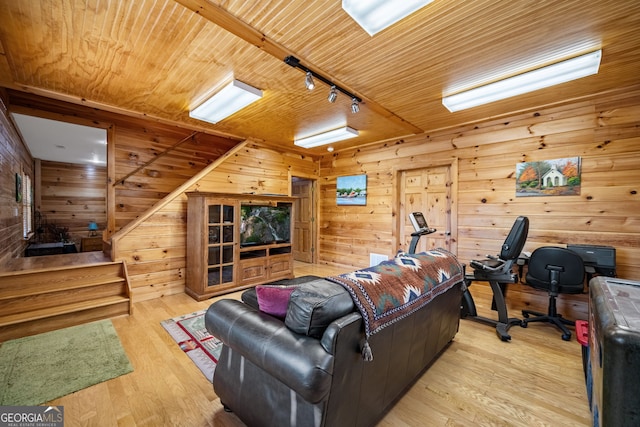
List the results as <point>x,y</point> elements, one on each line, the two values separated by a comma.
<point>598,260</point>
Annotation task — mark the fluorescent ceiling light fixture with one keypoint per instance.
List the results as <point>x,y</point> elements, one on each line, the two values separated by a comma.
<point>231,98</point>
<point>560,72</point>
<point>376,15</point>
<point>327,137</point>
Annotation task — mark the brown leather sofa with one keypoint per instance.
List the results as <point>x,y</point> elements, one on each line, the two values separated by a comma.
<point>269,375</point>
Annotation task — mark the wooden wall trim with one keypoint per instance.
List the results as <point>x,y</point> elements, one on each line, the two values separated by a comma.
<point>51,115</point>
<point>82,102</point>
<point>111,191</point>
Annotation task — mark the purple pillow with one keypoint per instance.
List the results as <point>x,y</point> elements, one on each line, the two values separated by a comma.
<point>274,300</point>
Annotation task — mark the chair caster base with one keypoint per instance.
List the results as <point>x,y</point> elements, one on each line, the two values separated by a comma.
<point>501,331</point>
<point>557,321</point>
<point>502,328</point>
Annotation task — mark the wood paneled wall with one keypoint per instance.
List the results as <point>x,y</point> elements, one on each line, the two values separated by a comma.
<point>154,246</point>
<point>71,196</point>
<point>162,157</point>
<point>604,132</point>
<point>14,158</point>
<point>154,157</point>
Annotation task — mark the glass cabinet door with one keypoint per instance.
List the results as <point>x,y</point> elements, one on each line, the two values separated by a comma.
<point>220,244</point>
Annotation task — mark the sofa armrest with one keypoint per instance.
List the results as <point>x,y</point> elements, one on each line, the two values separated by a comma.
<point>330,336</point>
<point>297,360</point>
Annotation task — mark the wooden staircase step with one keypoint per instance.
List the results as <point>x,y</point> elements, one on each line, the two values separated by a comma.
<point>8,293</point>
<point>25,283</point>
<point>60,321</point>
<point>61,309</point>
<point>38,300</point>
<point>45,300</point>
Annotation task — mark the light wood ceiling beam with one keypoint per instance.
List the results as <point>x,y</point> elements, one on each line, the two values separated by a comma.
<point>100,106</point>
<point>220,17</point>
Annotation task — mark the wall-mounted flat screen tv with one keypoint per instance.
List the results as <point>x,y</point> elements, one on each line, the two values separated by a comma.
<point>263,224</point>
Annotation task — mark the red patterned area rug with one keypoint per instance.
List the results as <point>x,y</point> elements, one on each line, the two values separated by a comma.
<point>194,339</point>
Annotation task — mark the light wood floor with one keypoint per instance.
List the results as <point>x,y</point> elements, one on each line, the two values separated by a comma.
<point>534,380</point>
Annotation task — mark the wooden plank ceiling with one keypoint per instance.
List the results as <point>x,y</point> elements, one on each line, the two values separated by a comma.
<point>159,58</point>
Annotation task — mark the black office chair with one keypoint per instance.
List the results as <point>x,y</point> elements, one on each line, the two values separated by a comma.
<point>558,271</point>
<point>497,270</point>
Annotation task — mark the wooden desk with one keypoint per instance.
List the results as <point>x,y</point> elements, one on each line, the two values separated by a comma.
<point>90,244</point>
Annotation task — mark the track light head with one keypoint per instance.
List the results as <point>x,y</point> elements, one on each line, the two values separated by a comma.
<point>308,81</point>
<point>333,94</point>
<point>310,84</point>
<point>355,107</point>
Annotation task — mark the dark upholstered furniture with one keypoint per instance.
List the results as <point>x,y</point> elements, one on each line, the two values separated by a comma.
<point>269,375</point>
<point>557,271</point>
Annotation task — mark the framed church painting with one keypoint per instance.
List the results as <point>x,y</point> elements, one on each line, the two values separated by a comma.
<point>557,177</point>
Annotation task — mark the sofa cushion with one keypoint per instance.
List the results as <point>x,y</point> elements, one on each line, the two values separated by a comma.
<point>249,296</point>
<point>314,305</point>
<point>274,300</point>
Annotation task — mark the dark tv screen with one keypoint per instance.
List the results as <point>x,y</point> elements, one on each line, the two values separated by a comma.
<point>262,224</point>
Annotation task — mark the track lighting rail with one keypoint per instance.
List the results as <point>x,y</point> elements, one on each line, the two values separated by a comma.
<point>295,63</point>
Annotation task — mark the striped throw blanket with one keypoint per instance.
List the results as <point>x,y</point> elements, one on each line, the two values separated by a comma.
<point>394,289</point>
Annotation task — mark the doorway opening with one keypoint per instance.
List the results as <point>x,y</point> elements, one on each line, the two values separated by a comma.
<point>70,172</point>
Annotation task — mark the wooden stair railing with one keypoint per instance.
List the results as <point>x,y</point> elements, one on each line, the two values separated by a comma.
<point>36,301</point>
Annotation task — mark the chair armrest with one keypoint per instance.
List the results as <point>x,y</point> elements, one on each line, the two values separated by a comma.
<point>299,361</point>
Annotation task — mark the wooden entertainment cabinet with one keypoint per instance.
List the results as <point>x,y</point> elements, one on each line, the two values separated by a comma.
<point>218,261</point>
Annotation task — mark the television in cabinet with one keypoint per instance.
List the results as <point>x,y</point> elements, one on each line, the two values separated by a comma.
<point>237,241</point>
<point>265,242</point>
